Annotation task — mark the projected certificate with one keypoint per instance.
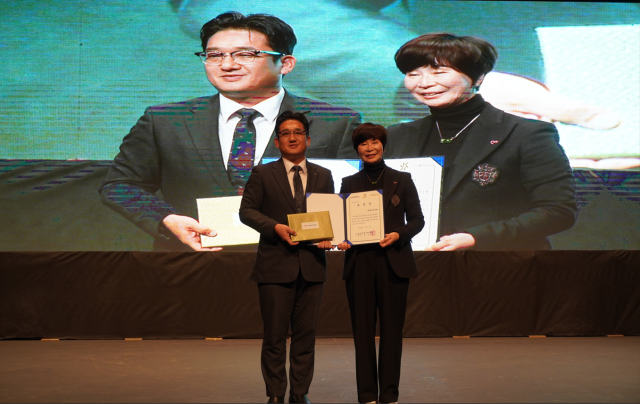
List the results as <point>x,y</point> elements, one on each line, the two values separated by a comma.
<point>221,214</point>
<point>356,218</point>
<point>426,173</point>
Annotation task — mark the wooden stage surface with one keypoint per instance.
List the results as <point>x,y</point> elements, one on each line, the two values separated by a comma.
<point>445,370</point>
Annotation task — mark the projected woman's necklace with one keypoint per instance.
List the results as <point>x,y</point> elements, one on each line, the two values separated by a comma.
<point>445,141</point>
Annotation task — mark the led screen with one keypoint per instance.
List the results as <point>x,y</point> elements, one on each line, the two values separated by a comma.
<point>77,74</point>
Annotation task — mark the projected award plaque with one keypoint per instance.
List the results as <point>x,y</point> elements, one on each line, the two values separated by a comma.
<point>221,214</point>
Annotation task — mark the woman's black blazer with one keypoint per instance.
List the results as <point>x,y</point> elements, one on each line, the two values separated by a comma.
<point>510,185</point>
<point>400,197</point>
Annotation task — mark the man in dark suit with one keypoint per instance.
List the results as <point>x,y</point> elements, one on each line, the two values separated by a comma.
<point>206,147</point>
<point>289,274</point>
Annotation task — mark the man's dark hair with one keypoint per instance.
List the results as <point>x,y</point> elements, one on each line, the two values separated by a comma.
<point>279,34</point>
<point>296,116</point>
<point>368,131</point>
<point>466,54</point>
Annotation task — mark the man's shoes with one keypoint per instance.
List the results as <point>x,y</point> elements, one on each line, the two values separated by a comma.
<point>298,398</point>
<point>276,399</point>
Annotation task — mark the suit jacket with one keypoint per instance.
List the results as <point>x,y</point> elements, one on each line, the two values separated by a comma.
<point>528,185</point>
<point>267,200</point>
<point>400,254</point>
<point>172,156</point>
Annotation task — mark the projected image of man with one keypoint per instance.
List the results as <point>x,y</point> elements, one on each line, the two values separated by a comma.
<point>206,147</point>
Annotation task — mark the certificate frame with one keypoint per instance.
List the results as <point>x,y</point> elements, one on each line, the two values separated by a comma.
<point>347,222</point>
<point>364,217</point>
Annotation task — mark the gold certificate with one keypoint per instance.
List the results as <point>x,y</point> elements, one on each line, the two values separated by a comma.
<point>312,226</point>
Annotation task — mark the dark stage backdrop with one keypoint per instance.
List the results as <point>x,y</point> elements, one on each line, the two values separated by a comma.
<point>96,295</point>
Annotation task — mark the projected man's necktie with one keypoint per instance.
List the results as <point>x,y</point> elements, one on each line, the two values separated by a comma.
<point>298,189</point>
<point>243,149</point>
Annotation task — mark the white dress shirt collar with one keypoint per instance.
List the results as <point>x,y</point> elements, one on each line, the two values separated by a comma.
<point>269,108</point>
<point>303,174</point>
<point>264,124</point>
<point>288,165</point>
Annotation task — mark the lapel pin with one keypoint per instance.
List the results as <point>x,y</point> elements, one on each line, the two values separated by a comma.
<point>485,174</point>
<point>494,141</point>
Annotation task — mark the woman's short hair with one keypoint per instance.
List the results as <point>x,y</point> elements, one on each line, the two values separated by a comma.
<point>469,55</point>
<point>290,115</point>
<point>368,131</point>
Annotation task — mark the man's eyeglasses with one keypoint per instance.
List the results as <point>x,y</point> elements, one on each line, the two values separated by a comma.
<point>286,134</point>
<point>241,57</point>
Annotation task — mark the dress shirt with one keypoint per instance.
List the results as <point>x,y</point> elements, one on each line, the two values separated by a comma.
<point>303,174</point>
<point>265,124</point>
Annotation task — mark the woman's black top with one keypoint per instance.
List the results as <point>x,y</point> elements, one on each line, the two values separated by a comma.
<point>451,121</point>
<point>375,173</point>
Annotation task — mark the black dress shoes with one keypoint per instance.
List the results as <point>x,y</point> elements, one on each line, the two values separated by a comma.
<point>276,399</point>
<point>298,398</point>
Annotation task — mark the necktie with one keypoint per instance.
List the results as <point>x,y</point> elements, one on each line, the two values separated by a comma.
<point>298,189</point>
<point>243,148</point>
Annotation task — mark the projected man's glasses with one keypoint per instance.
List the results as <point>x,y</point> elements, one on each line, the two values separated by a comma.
<point>241,57</point>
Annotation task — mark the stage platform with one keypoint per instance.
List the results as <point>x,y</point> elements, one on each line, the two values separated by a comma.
<point>439,370</point>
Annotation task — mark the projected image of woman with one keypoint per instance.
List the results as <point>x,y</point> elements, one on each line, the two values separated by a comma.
<point>507,182</point>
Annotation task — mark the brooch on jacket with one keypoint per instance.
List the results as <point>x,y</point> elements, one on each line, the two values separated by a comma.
<point>485,175</point>
<point>395,200</point>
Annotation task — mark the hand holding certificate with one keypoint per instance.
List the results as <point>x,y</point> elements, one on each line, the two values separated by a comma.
<point>222,214</point>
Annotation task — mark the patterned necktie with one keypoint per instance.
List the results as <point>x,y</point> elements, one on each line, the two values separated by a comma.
<point>243,149</point>
<point>298,189</point>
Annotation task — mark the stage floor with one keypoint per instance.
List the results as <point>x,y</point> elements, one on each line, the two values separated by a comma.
<point>582,369</point>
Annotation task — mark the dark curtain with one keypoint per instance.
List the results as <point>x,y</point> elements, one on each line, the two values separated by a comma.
<point>101,295</point>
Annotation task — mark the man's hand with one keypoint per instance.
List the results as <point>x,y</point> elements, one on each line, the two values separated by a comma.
<point>284,232</point>
<point>344,246</point>
<point>389,239</point>
<point>188,230</point>
<point>325,245</point>
<point>453,242</point>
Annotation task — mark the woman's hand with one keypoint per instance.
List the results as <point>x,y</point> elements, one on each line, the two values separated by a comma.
<point>389,239</point>
<point>452,242</point>
<point>344,246</point>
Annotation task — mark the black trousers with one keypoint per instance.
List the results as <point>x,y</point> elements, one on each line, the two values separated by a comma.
<point>372,288</point>
<point>283,305</point>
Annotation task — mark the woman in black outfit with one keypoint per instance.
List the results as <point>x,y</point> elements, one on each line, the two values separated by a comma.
<point>507,183</point>
<point>377,275</point>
